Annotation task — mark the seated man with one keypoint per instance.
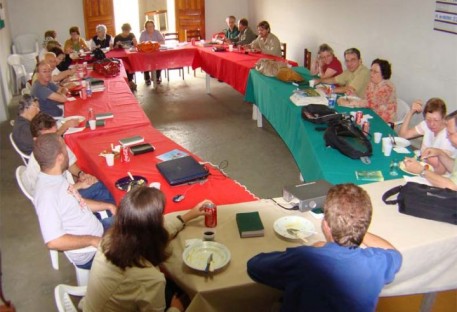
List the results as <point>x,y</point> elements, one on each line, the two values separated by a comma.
<point>231,32</point>
<point>28,109</point>
<point>58,76</point>
<point>245,36</point>
<point>337,275</point>
<point>87,185</point>
<point>48,93</point>
<point>266,42</point>
<point>354,80</point>
<point>441,156</point>
<point>66,220</point>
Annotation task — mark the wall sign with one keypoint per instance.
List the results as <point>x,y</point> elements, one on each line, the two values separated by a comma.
<point>2,15</point>
<point>446,16</point>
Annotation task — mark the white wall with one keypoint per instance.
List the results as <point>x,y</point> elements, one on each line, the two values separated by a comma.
<point>424,61</point>
<point>217,11</point>
<point>36,17</point>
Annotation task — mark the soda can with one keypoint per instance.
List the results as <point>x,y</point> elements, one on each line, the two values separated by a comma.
<point>332,101</point>
<point>358,117</point>
<point>125,157</point>
<point>210,215</point>
<point>366,127</point>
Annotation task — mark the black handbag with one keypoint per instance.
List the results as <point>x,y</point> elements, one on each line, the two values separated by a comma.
<point>319,113</point>
<point>423,201</point>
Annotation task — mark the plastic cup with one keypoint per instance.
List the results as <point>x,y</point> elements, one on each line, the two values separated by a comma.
<point>92,124</point>
<point>312,83</point>
<point>155,185</point>
<point>386,146</point>
<point>231,47</point>
<point>377,137</point>
<point>208,235</point>
<point>109,159</point>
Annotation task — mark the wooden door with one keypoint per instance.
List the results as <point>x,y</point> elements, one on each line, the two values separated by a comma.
<point>98,12</point>
<point>190,14</point>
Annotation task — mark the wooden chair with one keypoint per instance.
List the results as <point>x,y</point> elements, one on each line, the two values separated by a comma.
<point>307,59</point>
<point>172,37</point>
<point>193,34</point>
<point>283,50</point>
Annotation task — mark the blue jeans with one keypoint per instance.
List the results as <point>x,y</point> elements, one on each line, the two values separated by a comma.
<point>97,191</point>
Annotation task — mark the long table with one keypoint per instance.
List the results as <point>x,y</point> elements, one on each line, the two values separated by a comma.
<point>429,251</point>
<point>315,161</point>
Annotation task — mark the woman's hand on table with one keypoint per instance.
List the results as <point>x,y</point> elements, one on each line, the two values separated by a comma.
<point>412,165</point>
<point>195,212</point>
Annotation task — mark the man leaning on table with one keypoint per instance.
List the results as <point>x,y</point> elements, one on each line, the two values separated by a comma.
<point>336,275</point>
<point>414,166</point>
<point>245,36</point>
<point>66,219</point>
<point>354,80</point>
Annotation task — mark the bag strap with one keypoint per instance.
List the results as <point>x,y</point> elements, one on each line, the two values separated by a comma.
<point>389,193</point>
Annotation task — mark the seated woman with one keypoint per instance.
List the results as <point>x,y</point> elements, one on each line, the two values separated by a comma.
<point>75,43</point>
<point>326,65</point>
<point>432,129</point>
<point>125,274</point>
<point>266,42</point>
<point>101,39</point>
<point>126,39</point>
<point>380,93</point>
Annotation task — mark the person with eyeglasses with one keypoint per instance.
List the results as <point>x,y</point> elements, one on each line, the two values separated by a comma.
<point>354,80</point>
<point>327,64</point>
<point>432,129</point>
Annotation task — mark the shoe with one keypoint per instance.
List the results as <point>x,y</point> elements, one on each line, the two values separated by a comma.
<point>148,82</point>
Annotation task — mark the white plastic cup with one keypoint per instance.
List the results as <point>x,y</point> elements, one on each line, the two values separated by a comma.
<point>109,159</point>
<point>377,137</point>
<point>386,146</point>
<point>312,83</point>
<point>155,185</point>
<point>92,124</point>
<point>231,47</point>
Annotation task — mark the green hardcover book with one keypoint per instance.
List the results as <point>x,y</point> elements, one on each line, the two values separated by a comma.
<point>131,140</point>
<point>375,175</point>
<point>249,224</point>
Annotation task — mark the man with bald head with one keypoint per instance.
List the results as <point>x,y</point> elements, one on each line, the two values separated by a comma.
<point>48,93</point>
<point>57,75</point>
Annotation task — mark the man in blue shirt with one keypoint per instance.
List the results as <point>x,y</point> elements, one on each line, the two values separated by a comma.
<point>336,275</point>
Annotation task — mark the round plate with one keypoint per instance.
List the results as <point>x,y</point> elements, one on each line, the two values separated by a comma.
<point>303,225</point>
<point>196,255</point>
<point>80,119</point>
<point>125,183</point>
<point>401,165</point>
<point>401,142</point>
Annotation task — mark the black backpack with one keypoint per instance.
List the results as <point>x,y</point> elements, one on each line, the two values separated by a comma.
<point>99,54</point>
<point>347,138</point>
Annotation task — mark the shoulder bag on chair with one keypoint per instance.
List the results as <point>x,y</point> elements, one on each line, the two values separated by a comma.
<point>423,201</point>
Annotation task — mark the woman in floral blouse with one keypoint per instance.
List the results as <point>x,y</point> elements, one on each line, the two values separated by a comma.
<point>380,94</point>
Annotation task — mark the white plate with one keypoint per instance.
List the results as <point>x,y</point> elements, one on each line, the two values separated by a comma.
<point>196,255</point>
<point>80,118</point>
<point>305,226</point>
<point>401,165</point>
<point>401,142</point>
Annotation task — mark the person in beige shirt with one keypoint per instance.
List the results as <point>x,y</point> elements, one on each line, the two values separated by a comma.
<point>354,80</point>
<point>125,274</point>
<point>266,42</point>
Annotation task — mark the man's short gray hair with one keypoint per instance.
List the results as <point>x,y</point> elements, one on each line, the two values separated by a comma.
<point>100,27</point>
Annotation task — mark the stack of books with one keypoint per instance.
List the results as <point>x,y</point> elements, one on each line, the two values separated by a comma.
<point>131,140</point>
<point>249,224</point>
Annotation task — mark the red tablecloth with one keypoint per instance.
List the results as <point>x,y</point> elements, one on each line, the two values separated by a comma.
<point>88,145</point>
<point>117,99</point>
<point>142,61</point>
<point>230,67</point>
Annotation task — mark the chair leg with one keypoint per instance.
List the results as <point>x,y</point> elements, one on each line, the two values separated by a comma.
<point>168,75</point>
<point>54,259</point>
<point>82,276</point>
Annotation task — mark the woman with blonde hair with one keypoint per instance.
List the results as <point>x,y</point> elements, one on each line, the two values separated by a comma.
<point>326,64</point>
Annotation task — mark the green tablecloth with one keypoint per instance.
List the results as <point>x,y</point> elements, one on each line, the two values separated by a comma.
<point>314,159</point>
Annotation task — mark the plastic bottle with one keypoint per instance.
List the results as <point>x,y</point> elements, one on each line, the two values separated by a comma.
<point>83,90</point>
<point>88,88</point>
<point>91,114</point>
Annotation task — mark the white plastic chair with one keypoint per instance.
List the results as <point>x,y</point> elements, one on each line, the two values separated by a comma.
<point>82,275</point>
<point>62,294</point>
<point>25,158</point>
<point>20,73</point>
<point>402,109</point>
<point>19,171</point>
<point>29,61</point>
<point>26,43</point>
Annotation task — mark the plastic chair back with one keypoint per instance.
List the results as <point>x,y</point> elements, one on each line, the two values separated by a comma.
<point>20,73</point>
<point>62,294</point>
<point>25,158</point>
<point>283,50</point>
<point>26,43</point>
<point>307,59</point>
<point>402,110</point>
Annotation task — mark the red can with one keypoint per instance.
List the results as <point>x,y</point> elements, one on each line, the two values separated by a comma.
<point>366,127</point>
<point>192,41</point>
<point>210,215</point>
<point>125,157</point>
<point>358,117</point>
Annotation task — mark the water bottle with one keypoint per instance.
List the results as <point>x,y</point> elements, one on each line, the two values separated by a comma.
<point>83,91</point>
<point>88,88</point>
<point>91,114</point>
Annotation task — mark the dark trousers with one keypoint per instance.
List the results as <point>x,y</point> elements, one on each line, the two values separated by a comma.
<point>147,76</point>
